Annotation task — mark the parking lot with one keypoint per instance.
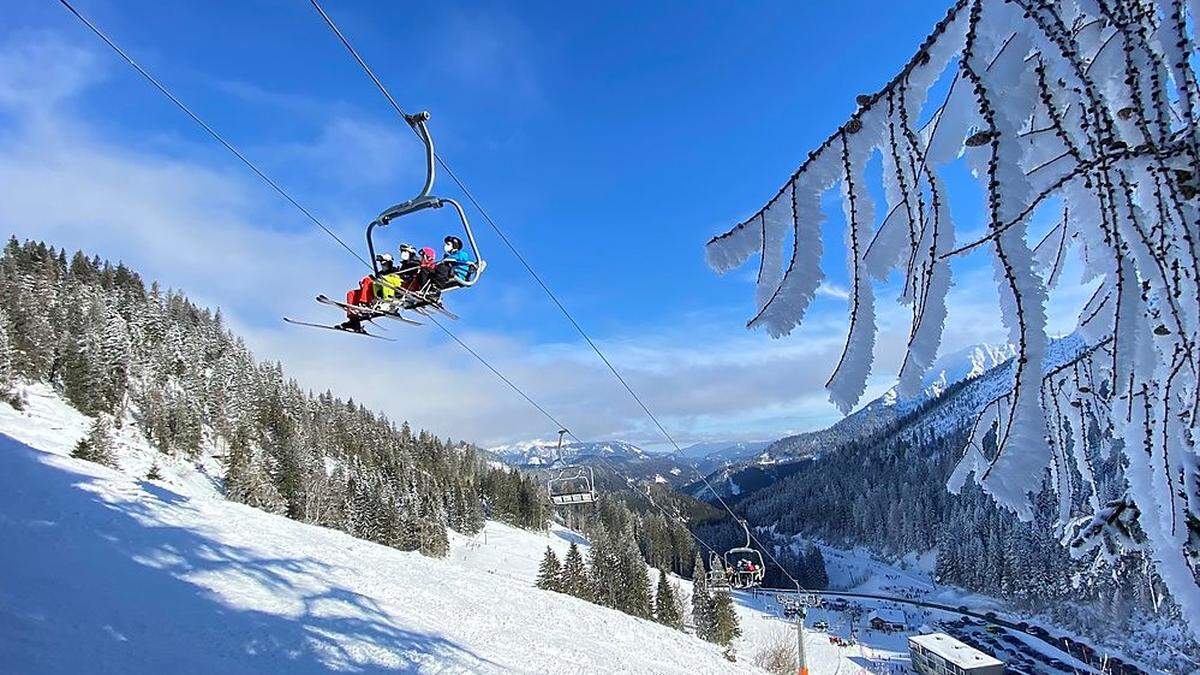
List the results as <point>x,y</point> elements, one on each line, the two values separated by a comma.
<point>1029,652</point>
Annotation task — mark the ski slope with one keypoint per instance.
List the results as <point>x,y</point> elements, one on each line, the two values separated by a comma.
<point>105,573</point>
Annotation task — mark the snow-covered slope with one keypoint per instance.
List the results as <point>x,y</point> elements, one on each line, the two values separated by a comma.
<point>106,573</point>
<point>48,422</point>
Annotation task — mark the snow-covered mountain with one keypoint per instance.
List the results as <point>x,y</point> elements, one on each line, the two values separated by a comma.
<point>964,364</point>
<point>962,382</point>
<point>539,453</point>
<point>106,572</point>
<point>728,451</point>
<point>950,369</point>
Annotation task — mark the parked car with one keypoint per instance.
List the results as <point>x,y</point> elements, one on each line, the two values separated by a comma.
<point>821,625</point>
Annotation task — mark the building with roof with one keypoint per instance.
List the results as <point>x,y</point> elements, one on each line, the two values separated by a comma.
<point>886,618</point>
<point>940,654</point>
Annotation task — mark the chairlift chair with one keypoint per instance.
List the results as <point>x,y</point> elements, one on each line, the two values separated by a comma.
<point>572,484</point>
<point>425,200</point>
<point>418,299</point>
<point>745,564</point>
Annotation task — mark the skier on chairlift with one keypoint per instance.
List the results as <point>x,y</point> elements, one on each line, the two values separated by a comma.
<point>420,279</point>
<point>365,294</point>
<point>383,287</point>
<point>456,266</point>
<point>454,269</point>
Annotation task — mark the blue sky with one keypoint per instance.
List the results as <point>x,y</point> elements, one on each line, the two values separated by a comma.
<point>610,141</point>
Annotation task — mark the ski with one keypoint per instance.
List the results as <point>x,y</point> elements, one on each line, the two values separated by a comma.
<point>366,312</point>
<point>340,330</point>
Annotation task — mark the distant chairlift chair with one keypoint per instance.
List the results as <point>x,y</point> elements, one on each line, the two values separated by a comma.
<point>744,564</point>
<point>572,484</point>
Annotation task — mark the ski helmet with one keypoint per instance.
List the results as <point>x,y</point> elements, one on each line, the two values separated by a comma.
<point>407,252</point>
<point>428,252</point>
<point>384,258</point>
<point>455,242</point>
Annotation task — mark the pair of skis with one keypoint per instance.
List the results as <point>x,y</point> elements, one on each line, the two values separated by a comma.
<point>368,314</point>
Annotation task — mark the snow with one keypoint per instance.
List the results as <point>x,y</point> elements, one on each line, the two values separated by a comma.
<point>106,573</point>
<point>103,568</point>
<point>954,651</point>
<point>50,423</point>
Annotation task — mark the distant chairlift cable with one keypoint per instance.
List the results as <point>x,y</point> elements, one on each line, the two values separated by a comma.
<point>316,221</point>
<point>540,282</point>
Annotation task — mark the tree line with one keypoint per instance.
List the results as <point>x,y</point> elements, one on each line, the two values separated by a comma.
<point>124,353</point>
<point>615,575</point>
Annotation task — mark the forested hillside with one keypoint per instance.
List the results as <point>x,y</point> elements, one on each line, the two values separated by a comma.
<point>126,353</point>
<point>886,490</point>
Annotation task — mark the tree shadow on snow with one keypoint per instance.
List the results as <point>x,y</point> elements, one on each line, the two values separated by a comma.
<point>89,584</point>
<point>571,537</point>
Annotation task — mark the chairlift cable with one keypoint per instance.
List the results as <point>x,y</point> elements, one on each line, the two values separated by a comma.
<point>538,279</point>
<point>211,132</point>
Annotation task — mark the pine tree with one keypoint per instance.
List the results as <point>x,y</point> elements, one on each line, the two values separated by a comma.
<point>6,356</point>
<point>154,473</point>
<point>725,628</point>
<point>575,574</point>
<point>666,604</point>
<point>549,576</point>
<point>816,575</point>
<point>98,445</point>
<point>603,569</point>
<point>247,482</point>
<point>702,608</point>
<point>633,589</point>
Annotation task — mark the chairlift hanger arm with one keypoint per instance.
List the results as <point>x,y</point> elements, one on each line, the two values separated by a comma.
<point>425,200</point>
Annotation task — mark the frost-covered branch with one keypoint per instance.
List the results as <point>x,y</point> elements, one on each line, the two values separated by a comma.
<point>1086,107</point>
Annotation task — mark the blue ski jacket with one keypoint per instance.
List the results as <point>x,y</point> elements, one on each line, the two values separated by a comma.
<point>462,262</point>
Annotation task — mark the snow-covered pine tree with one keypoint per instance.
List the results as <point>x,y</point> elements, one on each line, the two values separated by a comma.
<point>634,588</point>
<point>246,480</point>
<point>549,577</point>
<point>725,627</point>
<point>604,569</point>
<point>575,579</point>
<point>667,610</point>
<point>98,445</point>
<point>814,566</point>
<point>6,356</point>
<point>702,604</point>
<point>1088,110</point>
